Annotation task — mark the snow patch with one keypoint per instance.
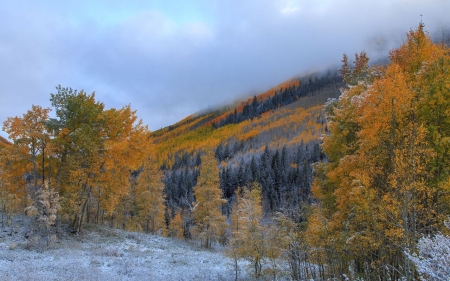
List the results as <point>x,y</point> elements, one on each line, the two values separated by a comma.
<point>102,253</point>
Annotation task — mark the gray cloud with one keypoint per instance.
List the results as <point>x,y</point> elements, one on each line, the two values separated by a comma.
<point>168,66</point>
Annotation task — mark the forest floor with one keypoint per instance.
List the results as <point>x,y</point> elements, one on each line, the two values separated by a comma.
<point>102,253</point>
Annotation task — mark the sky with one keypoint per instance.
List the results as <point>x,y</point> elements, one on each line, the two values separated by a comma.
<point>169,59</point>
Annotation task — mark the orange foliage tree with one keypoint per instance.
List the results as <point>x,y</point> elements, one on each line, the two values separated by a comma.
<point>249,239</point>
<point>96,149</point>
<point>384,185</point>
<point>150,199</point>
<point>26,156</point>
<point>210,224</point>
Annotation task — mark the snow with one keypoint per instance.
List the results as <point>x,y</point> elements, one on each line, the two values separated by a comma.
<point>101,253</point>
<point>433,261</point>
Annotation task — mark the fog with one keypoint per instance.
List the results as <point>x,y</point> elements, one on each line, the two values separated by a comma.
<point>169,59</point>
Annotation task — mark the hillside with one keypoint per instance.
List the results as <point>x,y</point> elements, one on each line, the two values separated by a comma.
<point>272,138</point>
<point>317,87</point>
<point>4,142</point>
<point>102,253</point>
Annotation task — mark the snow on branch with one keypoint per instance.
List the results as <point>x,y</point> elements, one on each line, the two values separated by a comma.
<point>433,260</point>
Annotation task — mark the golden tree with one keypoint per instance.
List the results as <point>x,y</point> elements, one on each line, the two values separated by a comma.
<point>150,199</point>
<point>384,185</point>
<point>28,152</point>
<point>249,235</point>
<point>24,164</point>
<point>210,224</point>
<point>175,228</point>
<point>96,151</point>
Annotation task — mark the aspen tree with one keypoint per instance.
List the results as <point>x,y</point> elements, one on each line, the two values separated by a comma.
<point>248,239</point>
<point>150,200</point>
<point>29,150</point>
<point>96,149</point>
<point>384,185</point>
<point>210,224</point>
<point>175,228</point>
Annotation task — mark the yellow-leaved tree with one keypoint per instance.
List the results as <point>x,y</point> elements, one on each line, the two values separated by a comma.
<point>96,150</point>
<point>385,183</point>
<point>24,165</point>
<point>249,234</point>
<point>149,197</point>
<point>86,154</point>
<point>175,228</point>
<point>210,224</point>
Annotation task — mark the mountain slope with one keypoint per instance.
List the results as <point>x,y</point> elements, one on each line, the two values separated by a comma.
<point>272,138</point>
<point>4,142</point>
<point>102,253</point>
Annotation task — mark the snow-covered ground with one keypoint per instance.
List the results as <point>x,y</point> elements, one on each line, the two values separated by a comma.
<point>102,253</point>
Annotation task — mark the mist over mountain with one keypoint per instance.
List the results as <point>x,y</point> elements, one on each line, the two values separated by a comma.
<point>170,59</point>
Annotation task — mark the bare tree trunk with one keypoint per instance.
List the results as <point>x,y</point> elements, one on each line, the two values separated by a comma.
<point>79,217</point>
<point>97,216</point>
<point>88,213</point>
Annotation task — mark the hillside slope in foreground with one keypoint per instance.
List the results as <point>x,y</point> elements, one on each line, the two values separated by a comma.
<point>102,253</point>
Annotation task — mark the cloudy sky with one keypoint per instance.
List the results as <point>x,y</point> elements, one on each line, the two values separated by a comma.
<point>169,58</point>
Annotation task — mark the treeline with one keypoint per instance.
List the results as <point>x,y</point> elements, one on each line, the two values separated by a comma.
<point>285,176</point>
<point>80,157</point>
<point>282,97</point>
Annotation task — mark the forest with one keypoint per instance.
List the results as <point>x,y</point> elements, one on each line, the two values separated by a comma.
<point>335,176</point>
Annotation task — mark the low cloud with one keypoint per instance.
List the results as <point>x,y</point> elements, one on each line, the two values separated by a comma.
<point>168,68</point>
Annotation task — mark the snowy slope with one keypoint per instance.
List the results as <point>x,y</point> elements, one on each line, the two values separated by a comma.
<point>108,254</point>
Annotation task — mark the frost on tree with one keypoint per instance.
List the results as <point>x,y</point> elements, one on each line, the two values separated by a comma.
<point>433,261</point>
<point>45,208</point>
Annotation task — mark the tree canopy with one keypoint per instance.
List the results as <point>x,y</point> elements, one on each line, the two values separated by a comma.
<point>386,182</point>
